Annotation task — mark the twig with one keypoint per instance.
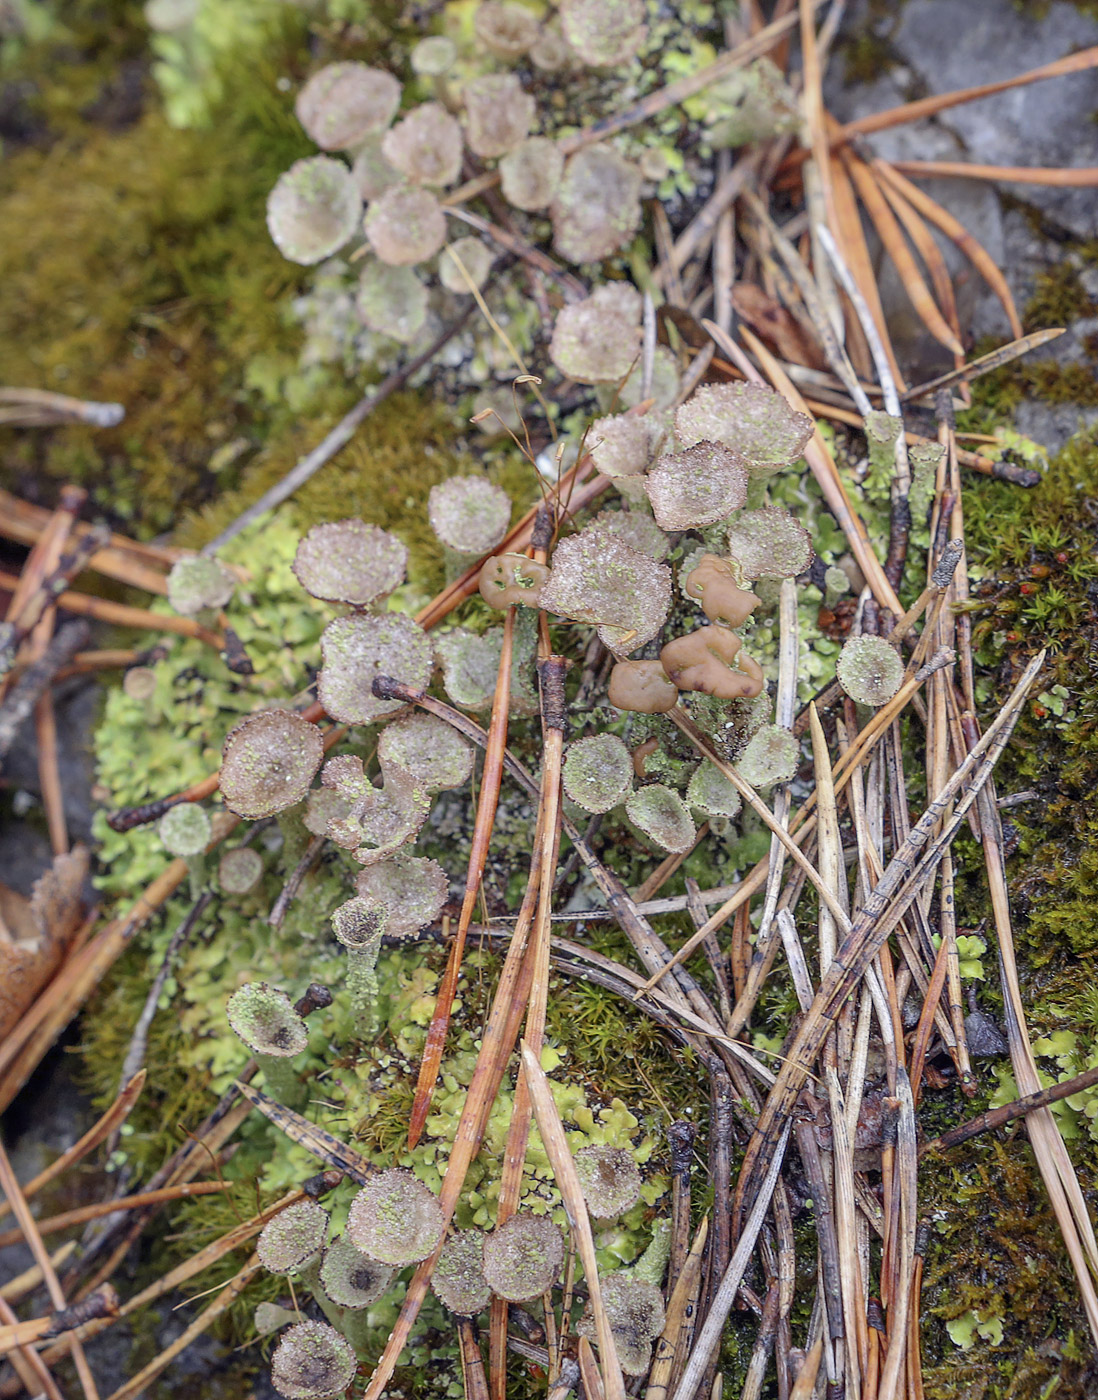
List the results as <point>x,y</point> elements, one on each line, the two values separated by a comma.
<point>338,438</point>
<point>1017,1108</point>
<point>29,1231</point>
<point>995,359</point>
<point>35,680</point>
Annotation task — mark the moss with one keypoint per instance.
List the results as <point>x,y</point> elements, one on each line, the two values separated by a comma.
<point>137,269</point>
<point>1059,298</point>
<point>1001,1311</point>
<point>409,444</point>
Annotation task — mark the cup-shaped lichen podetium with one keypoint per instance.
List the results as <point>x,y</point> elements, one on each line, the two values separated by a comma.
<point>185,830</point>
<point>752,419</point>
<point>769,543</point>
<point>239,870</point>
<point>458,1280</point>
<point>265,1020</point>
<point>470,515</point>
<point>312,1362</point>
<point>598,578</point>
<point>351,1279</point>
<point>636,1313</point>
<point>313,210</point>
<point>696,487</point>
<point>522,1257</point>
<point>268,762</point>
<point>395,1218</point>
<point>293,1239</point>
<point>610,1179</point>
<point>350,561</point>
<point>598,772</point>
<point>360,925</point>
<point>199,585</point>
<point>869,670</point>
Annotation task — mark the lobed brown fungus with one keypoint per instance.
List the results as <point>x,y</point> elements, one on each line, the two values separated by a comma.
<point>604,33</point>
<point>711,793</point>
<point>597,578</point>
<point>696,487</point>
<point>610,1180</point>
<point>469,514</point>
<point>391,301</point>
<point>411,889</point>
<point>597,208</point>
<point>769,543</point>
<point>506,30</point>
<point>635,1311</point>
<point>239,870</point>
<point>268,762</point>
<point>713,584</point>
<point>351,1279</point>
<point>198,582</point>
<point>344,103</point>
<point>395,1218</point>
<point>349,561</point>
<point>593,345</point>
<point>185,829</point>
<point>661,815</point>
<point>751,418</point>
<point>598,772</point>
<point>641,686</point>
<point>295,1236</point>
<point>499,114</point>
<point>509,579</point>
<point>425,146</point>
<point>313,209</point>
<point>356,649</point>
<point>530,174</point>
<point>709,660</point>
<point>643,752</point>
<point>430,748</point>
<point>458,1280</point>
<point>770,756</point>
<point>405,225</point>
<point>523,1257</point>
<point>869,670</point>
<point>312,1362</point>
<point>463,261</point>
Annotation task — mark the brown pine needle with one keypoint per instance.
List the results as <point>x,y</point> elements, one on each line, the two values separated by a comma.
<point>891,235</point>
<point>1065,177</point>
<point>954,230</point>
<point>940,102</point>
<point>487,801</point>
<point>53,1223</point>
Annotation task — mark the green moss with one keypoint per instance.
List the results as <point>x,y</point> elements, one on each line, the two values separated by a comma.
<point>137,268</point>
<point>1059,298</point>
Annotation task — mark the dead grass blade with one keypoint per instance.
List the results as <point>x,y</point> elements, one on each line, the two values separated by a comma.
<point>51,1224</point>
<point>487,801</point>
<point>954,230</point>
<point>568,1183</point>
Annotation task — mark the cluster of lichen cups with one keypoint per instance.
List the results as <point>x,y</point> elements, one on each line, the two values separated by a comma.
<point>702,469</point>
<point>401,168</point>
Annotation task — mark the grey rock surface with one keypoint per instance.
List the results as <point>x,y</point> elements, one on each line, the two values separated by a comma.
<point>939,46</point>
